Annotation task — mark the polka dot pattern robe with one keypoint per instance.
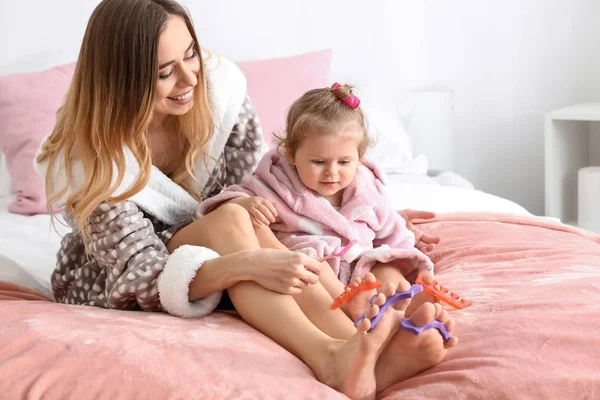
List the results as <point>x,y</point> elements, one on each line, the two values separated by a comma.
<point>127,247</point>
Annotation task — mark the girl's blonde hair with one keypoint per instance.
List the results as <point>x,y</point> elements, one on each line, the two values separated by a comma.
<point>323,111</point>
<point>109,105</point>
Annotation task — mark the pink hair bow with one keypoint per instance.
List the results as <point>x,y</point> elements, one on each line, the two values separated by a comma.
<point>352,101</point>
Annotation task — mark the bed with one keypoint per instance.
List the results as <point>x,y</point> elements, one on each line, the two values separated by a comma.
<point>531,332</point>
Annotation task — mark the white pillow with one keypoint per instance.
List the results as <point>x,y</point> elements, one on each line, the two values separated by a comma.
<point>393,149</point>
<point>10,271</point>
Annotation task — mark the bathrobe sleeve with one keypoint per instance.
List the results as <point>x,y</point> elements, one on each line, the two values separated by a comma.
<point>127,266</point>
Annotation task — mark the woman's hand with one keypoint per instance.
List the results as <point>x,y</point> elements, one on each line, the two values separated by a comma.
<point>281,271</point>
<point>262,211</point>
<point>423,241</point>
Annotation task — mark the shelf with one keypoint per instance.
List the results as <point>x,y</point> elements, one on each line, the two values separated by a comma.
<point>579,112</point>
<point>571,142</point>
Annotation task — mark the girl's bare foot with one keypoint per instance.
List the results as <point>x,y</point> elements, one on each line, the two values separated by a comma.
<point>407,354</point>
<point>420,298</point>
<point>350,368</point>
<point>358,304</point>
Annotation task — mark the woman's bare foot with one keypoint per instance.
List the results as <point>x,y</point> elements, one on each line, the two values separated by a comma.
<point>350,368</point>
<point>407,354</point>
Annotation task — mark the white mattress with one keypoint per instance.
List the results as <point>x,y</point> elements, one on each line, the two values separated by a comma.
<point>28,245</point>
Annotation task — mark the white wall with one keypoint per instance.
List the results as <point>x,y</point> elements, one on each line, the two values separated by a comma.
<point>507,61</point>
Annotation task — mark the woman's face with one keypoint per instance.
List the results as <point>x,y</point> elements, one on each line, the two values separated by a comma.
<point>178,69</point>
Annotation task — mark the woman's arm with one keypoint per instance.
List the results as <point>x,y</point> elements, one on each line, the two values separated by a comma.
<point>229,231</point>
<point>216,275</point>
<point>279,270</point>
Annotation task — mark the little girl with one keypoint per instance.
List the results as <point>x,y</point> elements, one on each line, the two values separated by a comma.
<point>318,193</point>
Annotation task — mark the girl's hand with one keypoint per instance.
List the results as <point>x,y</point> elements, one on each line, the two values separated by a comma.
<point>423,241</point>
<point>281,271</point>
<point>262,211</point>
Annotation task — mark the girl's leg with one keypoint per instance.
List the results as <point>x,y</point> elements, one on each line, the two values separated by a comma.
<point>387,273</point>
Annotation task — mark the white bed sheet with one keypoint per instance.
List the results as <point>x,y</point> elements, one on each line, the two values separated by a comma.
<point>28,245</point>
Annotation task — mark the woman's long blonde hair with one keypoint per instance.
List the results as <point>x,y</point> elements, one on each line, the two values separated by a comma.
<point>109,105</point>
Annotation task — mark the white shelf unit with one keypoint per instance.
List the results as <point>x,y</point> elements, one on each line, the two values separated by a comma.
<point>571,142</point>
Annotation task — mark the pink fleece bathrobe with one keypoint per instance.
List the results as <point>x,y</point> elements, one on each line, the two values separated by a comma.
<point>307,222</point>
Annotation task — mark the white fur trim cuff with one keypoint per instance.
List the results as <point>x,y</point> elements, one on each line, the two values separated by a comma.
<point>174,282</point>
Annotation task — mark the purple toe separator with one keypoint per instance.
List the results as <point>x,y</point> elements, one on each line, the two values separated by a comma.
<point>409,326</point>
<point>414,289</point>
<point>372,299</point>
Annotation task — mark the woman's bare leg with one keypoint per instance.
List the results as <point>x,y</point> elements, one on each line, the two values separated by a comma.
<point>316,300</point>
<point>228,229</point>
<point>223,230</point>
<point>327,278</point>
<point>347,366</point>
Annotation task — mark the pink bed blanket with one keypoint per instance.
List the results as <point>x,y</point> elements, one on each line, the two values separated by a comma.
<point>532,332</point>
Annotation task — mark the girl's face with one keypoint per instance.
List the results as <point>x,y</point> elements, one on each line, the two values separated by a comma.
<point>178,69</point>
<point>327,163</point>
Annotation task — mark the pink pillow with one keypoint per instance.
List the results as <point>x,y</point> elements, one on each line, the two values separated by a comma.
<point>29,101</point>
<point>274,84</point>
<point>28,105</point>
